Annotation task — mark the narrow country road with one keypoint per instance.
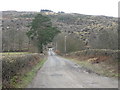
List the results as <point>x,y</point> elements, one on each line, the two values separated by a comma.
<point>58,72</point>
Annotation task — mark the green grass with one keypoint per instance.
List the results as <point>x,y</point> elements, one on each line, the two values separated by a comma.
<point>14,53</point>
<point>28,77</point>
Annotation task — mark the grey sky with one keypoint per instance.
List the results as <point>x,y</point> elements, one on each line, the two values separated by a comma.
<point>90,7</point>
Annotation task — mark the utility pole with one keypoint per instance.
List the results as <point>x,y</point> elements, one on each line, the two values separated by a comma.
<point>65,43</point>
<point>56,45</point>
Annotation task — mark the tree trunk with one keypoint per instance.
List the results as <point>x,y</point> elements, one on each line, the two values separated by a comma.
<point>40,47</point>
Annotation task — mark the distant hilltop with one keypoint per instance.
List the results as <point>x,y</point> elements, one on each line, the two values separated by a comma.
<point>49,12</point>
<point>46,10</point>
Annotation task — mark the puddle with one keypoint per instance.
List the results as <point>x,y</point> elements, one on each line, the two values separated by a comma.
<point>56,74</point>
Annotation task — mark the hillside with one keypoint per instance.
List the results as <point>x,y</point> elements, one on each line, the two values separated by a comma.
<point>84,27</point>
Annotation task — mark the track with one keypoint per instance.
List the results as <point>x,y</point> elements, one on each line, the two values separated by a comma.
<point>58,72</point>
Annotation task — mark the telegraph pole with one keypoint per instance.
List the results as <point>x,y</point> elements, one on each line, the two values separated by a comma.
<point>65,43</point>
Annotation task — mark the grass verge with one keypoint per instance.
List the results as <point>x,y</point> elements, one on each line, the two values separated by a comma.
<point>14,53</point>
<point>102,68</point>
<point>25,79</point>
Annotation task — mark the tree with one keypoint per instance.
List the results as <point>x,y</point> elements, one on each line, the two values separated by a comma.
<point>72,43</point>
<point>41,31</point>
<point>105,39</point>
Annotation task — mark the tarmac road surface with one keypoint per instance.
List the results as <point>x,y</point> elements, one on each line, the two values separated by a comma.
<point>58,72</point>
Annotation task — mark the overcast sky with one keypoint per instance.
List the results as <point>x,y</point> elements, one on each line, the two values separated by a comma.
<point>90,7</point>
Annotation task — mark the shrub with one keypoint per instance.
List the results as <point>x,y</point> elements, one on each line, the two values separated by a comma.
<point>17,65</point>
<point>98,52</point>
